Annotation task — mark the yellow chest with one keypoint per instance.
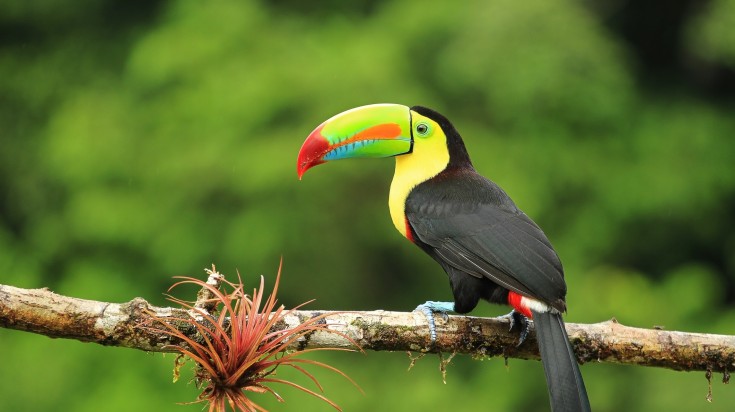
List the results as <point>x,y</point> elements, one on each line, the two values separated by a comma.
<point>428,158</point>
<point>399,189</point>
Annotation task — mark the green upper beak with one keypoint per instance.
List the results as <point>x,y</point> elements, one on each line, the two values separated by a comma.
<point>376,130</point>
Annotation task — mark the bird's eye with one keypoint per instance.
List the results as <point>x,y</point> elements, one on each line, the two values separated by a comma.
<point>422,129</point>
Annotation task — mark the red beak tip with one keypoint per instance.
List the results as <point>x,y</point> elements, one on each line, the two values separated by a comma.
<point>301,167</point>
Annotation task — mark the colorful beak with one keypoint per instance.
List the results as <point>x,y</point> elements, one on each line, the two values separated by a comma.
<point>376,130</point>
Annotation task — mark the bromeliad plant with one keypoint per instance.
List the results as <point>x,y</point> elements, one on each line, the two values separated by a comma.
<point>236,348</point>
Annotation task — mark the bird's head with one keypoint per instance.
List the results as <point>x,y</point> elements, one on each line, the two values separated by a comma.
<point>383,130</point>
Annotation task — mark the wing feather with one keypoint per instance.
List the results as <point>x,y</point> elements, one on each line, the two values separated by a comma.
<point>486,236</point>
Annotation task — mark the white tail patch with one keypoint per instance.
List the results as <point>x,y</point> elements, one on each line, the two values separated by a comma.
<point>536,305</point>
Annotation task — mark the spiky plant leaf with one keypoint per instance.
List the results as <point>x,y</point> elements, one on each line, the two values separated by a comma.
<point>237,348</point>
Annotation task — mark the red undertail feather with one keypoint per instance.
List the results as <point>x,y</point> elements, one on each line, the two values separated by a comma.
<point>518,303</point>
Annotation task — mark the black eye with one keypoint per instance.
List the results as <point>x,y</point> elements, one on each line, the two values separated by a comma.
<point>422,129</point>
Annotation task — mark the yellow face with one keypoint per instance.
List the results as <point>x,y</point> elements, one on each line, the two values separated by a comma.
<point>427,159</point>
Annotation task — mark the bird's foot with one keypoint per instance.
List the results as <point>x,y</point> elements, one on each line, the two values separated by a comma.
<point>518,319</point>
<point>430,308</point>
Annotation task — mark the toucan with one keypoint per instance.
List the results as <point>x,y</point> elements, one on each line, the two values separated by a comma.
<point>488,247</point>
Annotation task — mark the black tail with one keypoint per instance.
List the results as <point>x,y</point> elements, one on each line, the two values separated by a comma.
<point>566,387</point>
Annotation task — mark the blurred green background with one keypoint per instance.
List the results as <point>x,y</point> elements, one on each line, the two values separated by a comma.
<point>146,139</point>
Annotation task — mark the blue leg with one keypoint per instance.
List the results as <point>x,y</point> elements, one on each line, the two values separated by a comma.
<point>430,308</point>
<point>518,319</point>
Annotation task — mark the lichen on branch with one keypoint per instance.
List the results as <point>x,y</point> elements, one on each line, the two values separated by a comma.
<point>115,324</point>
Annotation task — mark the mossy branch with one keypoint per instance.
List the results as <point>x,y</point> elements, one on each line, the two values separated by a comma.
<point>118,324</point>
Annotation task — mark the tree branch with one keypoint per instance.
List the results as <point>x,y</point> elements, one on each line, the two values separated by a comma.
<point>44,312</point>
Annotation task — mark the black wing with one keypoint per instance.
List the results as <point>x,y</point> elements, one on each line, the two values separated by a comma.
<point>472,225</point>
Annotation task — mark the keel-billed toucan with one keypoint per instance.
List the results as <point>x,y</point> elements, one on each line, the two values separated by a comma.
<point>489,248</point>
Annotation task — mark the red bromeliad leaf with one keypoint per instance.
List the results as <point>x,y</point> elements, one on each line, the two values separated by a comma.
<point>237,349</point>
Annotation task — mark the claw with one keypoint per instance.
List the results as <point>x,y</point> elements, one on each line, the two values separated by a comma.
<point>429,309</point>
<point>430,319</point>
<point>518,319</point>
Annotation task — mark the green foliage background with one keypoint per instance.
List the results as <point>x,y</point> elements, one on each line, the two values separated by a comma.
<point>142,140</point>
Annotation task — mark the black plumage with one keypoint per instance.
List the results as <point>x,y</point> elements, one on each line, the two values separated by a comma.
<point>489,247</point>
<point>471,227</point>
<point>567,391</point>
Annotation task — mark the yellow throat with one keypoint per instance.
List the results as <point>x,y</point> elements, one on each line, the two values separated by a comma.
<point>427,159</point>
